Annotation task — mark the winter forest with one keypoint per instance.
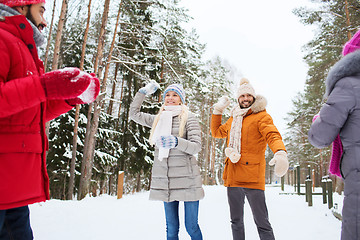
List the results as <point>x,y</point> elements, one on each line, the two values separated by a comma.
<point>127,43</point>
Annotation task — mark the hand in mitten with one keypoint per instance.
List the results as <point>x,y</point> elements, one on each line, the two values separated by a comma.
<point>89,95</point>
<point>65,83</point>
<point>219,107</point>
<point>150,88</point>
<point>281,163</point>
<point>232,154</point>
<point>167,141</point>
<point>315,117</point>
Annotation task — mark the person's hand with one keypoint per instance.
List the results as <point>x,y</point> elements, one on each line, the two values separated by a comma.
<point>167,141</point>
<point>150,88</point>
<point>65,83</point>
<point>315,117</point>
<point>89,95</point>
<point>220,106</point>
<point>232,154</point>
<point>281,163</point>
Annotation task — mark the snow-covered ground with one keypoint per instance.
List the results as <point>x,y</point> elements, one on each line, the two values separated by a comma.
<point>134,217</point>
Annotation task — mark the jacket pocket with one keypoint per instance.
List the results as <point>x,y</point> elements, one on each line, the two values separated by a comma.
<point>21,143</point>
<point>247,172</point>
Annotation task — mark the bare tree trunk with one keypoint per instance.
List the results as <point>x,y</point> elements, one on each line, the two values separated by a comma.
<point>121,96</point>
<point>347,19</point>
<point>58,35</point>
<point>49,37</point>
<point>87,162</point>
<point>110,52</point>
<point>113,90</point>
<point>213,157</point>
<point>57,49</point>
<point>138,181</point>
<point>162,74</point>
<point>77,113</point>
<point>206,149</point>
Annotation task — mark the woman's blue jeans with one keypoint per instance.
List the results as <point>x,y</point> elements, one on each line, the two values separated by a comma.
<point>15,224</point>
<point>191,220</point>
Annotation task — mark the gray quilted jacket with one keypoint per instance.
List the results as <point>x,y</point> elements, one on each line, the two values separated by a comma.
<point>176,178</point>
<point>341,115</point>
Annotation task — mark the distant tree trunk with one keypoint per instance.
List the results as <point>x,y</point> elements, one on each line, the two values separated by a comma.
<point>347,19</point>
<point>121,96</point>
<point>213,157</point>
<point>87,162</point>
<point>113,90</point>
<point>56,53</point>
<point>110,53</point>
<point>49,37</point>
<point>77,113</point>
<point>58,35</point>
<point>138,181</point>
<point>207,148</point>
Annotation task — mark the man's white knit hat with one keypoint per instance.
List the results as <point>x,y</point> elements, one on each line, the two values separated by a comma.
<point>245,88</point>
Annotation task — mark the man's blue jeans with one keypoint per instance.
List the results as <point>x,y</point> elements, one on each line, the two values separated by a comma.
<point>15,224</point>
<point>191,220</point>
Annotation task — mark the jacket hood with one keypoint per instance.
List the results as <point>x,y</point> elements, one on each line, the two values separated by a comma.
<point>347,66</point>
<point>6,11</point>
<point>259,104</point>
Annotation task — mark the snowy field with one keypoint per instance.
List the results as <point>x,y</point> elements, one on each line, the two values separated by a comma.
<point>134,217</point>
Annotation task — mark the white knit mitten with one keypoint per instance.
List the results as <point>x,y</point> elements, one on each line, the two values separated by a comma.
<point>150,88</point>
<point>281,163</point>
<point>232,154</point>
<point>220,106</point>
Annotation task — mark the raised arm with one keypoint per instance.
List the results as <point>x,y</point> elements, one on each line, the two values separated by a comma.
<point>218,130</point>
<point>136,115</point>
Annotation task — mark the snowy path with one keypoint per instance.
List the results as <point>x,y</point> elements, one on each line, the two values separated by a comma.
<point>136,218</point>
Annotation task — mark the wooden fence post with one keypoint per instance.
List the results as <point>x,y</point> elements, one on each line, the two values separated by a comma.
<point>120,187</point>
<point>308,186</point>
<point>298,179</point>
<point>294,172</point>
<point>330,193</point>
<point>323,186</point>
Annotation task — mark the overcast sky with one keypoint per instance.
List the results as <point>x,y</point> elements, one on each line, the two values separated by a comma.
<point>262,39</point>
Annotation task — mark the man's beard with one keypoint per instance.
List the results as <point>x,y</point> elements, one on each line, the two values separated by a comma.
<point>31,18</point>
<point>242,106</point>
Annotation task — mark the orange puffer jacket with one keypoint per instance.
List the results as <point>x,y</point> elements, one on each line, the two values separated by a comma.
<point>257,131</point>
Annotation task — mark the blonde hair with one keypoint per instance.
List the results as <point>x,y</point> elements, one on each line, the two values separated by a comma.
<point>183,118</point>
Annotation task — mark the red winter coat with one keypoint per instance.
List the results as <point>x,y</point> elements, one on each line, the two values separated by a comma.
<point>23,113</point>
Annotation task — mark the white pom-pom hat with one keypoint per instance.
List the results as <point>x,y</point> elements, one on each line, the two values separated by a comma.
<point>245,88</point>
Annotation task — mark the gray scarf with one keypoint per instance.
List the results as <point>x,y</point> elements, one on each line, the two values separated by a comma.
<point>6,11</point>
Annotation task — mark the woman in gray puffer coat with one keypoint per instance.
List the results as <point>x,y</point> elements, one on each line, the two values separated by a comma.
<point>175,173</point>
<point>341,115</point>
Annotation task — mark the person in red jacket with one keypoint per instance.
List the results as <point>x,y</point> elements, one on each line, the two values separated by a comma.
<point>28,99</point>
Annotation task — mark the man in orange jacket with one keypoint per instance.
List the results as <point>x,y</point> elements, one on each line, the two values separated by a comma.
<point>249,129</point>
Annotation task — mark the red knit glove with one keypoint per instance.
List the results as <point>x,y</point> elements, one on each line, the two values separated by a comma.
<point>89,95</point>
<point>65,83</point>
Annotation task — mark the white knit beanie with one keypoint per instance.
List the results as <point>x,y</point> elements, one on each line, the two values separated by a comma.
<point>245,88</point>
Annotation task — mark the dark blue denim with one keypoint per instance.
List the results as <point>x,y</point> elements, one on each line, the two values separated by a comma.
<point>15,224</point>
<point>191,220</point>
